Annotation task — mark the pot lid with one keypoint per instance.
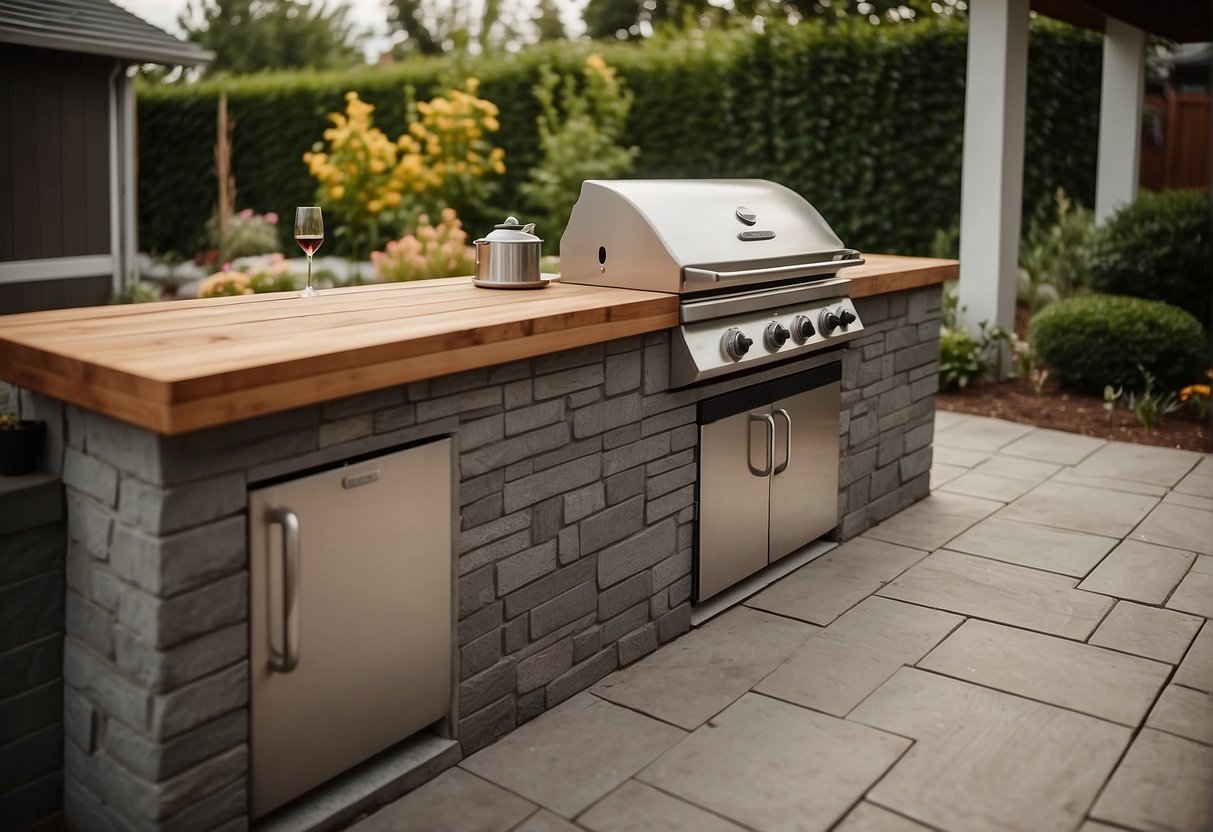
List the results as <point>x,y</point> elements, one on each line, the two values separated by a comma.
<point>512,231</point>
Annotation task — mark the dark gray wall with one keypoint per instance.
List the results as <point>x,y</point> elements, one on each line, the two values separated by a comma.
<point>37,295</point>
<point>54,154</point>
<point>33,541</point>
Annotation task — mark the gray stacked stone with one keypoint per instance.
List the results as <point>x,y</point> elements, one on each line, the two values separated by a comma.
<point>32,549</point>
<point>576,488</point>
<point>889,379</point>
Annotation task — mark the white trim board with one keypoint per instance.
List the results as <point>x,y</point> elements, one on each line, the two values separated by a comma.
<point>56,268</point>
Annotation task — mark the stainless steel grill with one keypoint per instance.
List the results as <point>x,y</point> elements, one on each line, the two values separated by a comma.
<point>755,264</point>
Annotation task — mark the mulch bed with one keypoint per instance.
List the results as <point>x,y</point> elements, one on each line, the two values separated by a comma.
<point>1057,409</point>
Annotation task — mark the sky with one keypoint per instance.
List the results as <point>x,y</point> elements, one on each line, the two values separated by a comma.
<point>364,14</point>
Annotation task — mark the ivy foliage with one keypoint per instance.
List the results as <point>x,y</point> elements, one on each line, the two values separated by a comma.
<point>865,121</point>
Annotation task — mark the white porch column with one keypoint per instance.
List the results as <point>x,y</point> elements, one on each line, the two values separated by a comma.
<point>992,171</point>
<point>1120,96</point>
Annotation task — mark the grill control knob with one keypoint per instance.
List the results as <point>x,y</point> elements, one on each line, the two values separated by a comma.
<point>846,317</point>
<point>736,344</point>
<point>828,322</point>
<point>776,335</point>
<point>802,328</point>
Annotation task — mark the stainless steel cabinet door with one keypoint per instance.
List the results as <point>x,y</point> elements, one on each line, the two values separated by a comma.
<point>804,487</point>
<point>362,610</point>
<point>735,455</point>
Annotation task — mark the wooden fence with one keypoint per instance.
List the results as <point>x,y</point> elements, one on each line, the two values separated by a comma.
<point>1177,146</point>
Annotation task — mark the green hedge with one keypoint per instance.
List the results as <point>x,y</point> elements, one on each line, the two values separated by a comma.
<point>865,121</point>
<point>1094,340</point>
<point>1159,247</point>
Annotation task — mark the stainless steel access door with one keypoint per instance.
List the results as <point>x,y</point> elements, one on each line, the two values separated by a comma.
<point>350,616</point>
<point>804,484</point>
<point>735,458</point>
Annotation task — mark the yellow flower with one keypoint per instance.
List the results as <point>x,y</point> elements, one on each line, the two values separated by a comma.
<point>337,192</point>
<point>1194,390</point>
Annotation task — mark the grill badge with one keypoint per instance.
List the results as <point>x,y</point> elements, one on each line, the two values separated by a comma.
<point>746,215</point>
<point>755,235</point>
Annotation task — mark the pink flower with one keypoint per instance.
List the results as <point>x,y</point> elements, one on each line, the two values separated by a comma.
<point>246,213</point>
<point>271,218</point>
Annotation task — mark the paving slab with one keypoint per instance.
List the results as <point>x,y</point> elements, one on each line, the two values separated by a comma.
<point>976,483</point>
<point>1080,509</point>
<point>930,523</point>
<point>454,801</point>
<point>1185,713</point>
<point>1158,634</point>
<point>942,473</point>
<point>1139,572</point>
<point>1190,500</point>
<point>972,743</point>
<point>1198,483</point>
<point>571,756</point>
<point>1196,670</point>
<point>1017,468</point>
<point>1179,526</point>
<point>1092,680</point>
<point>827,587</point>
<point>959,457</point>
<point>1163,783</point>
<point>634,806</point>
<point>1141,463</point>
<point>1071,477</point>
<point>1001,592</point>
<point>1096,826</point>
<point>836,669</point>
<point>1195,592</point>
<point>978,433</point>
<point>1053,446</point>
<point>775,767</point>
<point>545,821</point>
<point>699,675</point>
<point>868,817</point>
<point>1040,547</point>
<point>945,419</point>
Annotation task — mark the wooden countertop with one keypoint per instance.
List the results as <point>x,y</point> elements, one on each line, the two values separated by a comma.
<point>179,366</point>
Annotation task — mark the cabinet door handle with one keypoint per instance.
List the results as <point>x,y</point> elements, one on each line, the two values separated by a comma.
<point>787,454</point>
<point>288,659</point>
<point>770,423</point>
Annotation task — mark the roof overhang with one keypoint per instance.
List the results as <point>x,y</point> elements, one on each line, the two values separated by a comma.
<point>1185,21</point>
<point>94,27</point>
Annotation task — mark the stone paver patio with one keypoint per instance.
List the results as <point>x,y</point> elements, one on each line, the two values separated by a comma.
<point>1027,649</point>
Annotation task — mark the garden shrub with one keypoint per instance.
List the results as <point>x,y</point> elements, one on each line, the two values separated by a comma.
<point>1096,340</point>
<point>429,251</point>
<point>865,121</point>
<point>1158,247</point>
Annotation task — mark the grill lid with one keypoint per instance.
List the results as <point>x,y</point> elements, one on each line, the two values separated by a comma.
<point>689,235</point>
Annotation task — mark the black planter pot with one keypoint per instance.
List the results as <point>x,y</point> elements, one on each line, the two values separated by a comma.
<point>20,447</point>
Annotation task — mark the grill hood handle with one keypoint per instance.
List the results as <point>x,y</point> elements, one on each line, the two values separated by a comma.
<point>842,259</point>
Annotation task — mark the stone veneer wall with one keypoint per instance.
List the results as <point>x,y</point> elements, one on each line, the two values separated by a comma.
<point>889,380</point>
<point>577,505</point>
<point>32,544</point>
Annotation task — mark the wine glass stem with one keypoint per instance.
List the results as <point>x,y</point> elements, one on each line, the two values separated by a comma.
<point>309,272</point>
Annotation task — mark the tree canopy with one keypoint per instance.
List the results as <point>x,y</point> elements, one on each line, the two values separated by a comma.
<point>251,35</point>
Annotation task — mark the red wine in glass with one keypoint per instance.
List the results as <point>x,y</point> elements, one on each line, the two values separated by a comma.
<point>309,234</point>
<point>309,242</point>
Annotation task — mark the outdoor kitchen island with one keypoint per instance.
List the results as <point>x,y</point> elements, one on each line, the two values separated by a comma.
<point>573,511</point>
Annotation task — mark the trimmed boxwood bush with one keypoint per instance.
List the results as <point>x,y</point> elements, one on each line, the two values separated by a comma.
<point>1158,247</point>
<point>865,121</point>
<point>1094,340</point>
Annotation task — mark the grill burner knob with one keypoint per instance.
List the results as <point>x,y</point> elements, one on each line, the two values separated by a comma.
<point>736,344</point>
<point>802,328</point>
<point>828,322</point>
<point>846,317</point>
<point>776,335</point>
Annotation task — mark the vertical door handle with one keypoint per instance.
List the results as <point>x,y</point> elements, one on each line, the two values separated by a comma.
<point>770,423</point>
<point>288,659</point>
<point>787,454</point>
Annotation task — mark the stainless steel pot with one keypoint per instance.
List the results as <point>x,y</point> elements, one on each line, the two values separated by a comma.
<point>508,258</point>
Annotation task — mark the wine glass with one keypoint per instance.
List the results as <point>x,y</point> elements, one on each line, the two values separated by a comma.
<point>309,234</point>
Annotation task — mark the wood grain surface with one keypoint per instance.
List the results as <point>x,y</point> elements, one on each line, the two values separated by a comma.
<point>179,366</point>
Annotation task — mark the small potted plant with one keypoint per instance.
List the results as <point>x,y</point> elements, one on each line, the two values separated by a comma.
<point>20,441</point>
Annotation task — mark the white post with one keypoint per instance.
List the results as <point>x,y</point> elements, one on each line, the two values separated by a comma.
<point>991,189</point>
<point>1120,98</point>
